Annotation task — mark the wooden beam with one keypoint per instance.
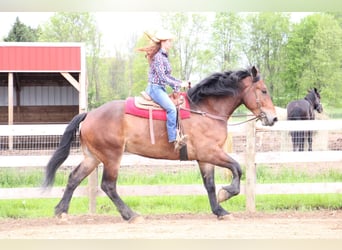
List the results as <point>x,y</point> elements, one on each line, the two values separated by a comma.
<point>250,168</point>
<point>72,80</point>
<point>304,125</point>
<point>10,107</point>
<point>83,93</point>
<point>10,98</point>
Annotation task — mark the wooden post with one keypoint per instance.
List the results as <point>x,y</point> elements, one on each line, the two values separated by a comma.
<point>250,168</point>
<point>92,190</point>
<point>83,97</point>
<point>10,107</point>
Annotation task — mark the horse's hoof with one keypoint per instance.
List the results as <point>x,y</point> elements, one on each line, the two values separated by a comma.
<point>136,219</point>
<point>222,195</point>
<point>63,218</point>
<point>61,215</point>
<point>225,217</point>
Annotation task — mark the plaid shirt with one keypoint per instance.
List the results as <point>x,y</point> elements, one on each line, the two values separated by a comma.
<point>160,71</point>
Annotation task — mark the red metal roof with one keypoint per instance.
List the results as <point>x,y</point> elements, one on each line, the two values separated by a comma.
<point>40,57</point>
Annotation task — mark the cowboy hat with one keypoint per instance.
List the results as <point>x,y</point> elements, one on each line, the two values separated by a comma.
<point>164,35</point>
<point>160,35</point>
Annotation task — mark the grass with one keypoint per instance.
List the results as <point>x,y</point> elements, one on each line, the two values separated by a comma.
<point>25,178</point>
<point>291,175</point>
<point>35,208</point>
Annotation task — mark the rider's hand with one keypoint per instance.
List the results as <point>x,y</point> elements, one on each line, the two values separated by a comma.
<point>185,84</point>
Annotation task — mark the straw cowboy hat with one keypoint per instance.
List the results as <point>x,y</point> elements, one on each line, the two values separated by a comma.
<point>160,35</point>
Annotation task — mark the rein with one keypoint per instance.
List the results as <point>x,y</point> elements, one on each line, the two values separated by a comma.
<point>248,120</point>
<point>223,118</point>
<point>202,113</point>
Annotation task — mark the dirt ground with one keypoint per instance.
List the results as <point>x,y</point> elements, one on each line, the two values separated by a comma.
<point>281,225</point>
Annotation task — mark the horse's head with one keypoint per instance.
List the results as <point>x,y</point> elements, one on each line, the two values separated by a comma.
<point>257,99</point>
<point>317,101</point>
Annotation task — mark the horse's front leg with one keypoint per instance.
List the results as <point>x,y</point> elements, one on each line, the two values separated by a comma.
<point>233,189</point>
<point>207,171</point>
<point>208,177</point>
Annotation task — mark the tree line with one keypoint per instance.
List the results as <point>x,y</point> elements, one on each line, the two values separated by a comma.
<point>292,57</point>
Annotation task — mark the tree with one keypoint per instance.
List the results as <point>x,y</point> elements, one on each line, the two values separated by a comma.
<point>22,33</point>
<point>190,31</point>
<point>139,67</point>
<point>265,36</point>
<point>314,59</point>
<point>78,27</point>
<point>226,34</point>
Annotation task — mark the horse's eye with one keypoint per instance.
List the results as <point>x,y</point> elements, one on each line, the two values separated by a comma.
<point>264,91</point>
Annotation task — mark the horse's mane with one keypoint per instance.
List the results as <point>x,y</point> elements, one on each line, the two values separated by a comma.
<point>218,84</point>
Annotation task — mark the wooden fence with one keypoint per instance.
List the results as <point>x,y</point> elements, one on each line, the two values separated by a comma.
<point>251,157</point>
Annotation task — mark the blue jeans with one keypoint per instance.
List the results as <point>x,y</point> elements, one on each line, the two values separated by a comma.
<point>159,95</point>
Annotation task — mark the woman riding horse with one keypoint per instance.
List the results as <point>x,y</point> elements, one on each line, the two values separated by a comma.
<point>107,132</point>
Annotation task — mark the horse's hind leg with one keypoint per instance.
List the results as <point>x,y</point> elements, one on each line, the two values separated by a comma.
<point>108,185</point>
<point>75,178</point>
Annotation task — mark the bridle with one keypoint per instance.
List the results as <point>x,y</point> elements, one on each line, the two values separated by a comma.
<point>261,113</point>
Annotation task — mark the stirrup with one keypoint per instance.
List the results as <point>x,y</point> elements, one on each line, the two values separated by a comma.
<point>180,142</point>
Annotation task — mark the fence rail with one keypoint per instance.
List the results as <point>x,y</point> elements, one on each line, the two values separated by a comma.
<point>251,157</point>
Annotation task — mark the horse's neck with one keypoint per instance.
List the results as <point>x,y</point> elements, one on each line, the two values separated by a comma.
<point>311,110</point>
<point>309,97</point>
<point>221,106</point>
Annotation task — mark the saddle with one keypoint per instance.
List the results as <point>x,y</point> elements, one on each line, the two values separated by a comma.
<point>144,106</point>
<point>145,101</point>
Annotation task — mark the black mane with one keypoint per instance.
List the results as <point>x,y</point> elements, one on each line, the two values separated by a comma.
<point>218,84</point>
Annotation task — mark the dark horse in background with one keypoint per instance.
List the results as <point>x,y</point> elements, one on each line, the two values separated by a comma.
<point>304,109</point>
<point>108,131</point>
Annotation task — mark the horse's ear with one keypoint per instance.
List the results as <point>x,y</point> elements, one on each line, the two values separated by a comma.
<point>254,71</point>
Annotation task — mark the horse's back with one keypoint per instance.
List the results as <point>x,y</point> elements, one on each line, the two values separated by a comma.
<point>298,110</point>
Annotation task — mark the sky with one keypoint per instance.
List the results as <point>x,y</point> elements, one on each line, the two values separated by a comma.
<point>116,27</point>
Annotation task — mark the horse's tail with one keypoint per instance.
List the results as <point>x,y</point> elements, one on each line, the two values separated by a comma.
<point>63,150</point>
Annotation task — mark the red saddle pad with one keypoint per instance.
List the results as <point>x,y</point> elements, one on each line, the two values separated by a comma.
<point>132,109</point>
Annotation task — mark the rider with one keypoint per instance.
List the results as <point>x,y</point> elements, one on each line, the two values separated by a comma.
<point>158,77</point>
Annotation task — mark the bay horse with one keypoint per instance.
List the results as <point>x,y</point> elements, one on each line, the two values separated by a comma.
<point>107,132</point>
<point>304,109</point>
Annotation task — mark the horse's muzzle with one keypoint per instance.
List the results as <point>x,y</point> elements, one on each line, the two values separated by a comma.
<point>268,119</point>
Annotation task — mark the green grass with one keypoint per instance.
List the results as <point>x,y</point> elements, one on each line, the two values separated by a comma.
<point>13,178</point>
<point>10,177</point>
<point>34,208</point>
<point>291,175</point>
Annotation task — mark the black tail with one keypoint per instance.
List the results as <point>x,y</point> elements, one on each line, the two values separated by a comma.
<point>63,149</point>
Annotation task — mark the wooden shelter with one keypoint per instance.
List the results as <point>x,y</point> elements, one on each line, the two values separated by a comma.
<point>42,82</point>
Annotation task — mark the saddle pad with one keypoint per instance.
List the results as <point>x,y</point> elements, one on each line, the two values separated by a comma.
<point>157,114</point>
